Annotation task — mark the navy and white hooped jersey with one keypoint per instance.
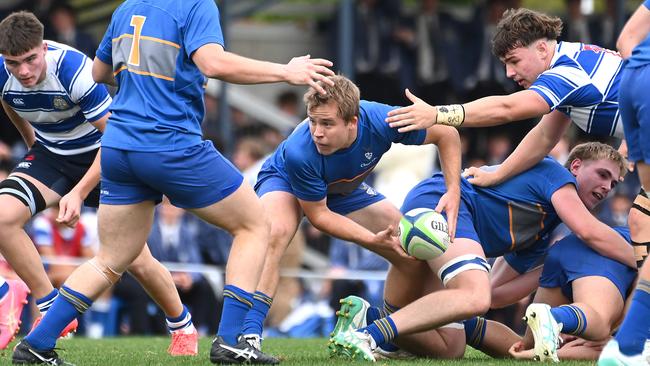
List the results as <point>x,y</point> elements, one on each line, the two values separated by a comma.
<point>61,107</point>
<point>583,83</point>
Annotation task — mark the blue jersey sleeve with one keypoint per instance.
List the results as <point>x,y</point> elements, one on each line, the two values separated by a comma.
<point>551,176</point>
<point>304,176</point>
<point>377,113</point>
<point>202,26</point>
<point>564,84</point>
<point>647,4</point>
<point>105,50</point>
<point>4,74</point>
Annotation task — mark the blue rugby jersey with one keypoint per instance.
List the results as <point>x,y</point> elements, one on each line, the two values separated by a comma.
<point>62,105</point>
<point>641,53</point>
<point>583,82</point>
<point>518,213</point>
<point>313,176</point>
<point>149,43</point>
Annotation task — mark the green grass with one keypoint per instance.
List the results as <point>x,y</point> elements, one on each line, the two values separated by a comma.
<point>140,351</point>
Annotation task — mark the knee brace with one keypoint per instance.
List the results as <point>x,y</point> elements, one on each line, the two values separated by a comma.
<point>25,191</point>
<point>461,264</point>
<point>105,271</point>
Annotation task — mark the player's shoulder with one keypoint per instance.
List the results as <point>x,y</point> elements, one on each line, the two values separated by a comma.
<point>67,61</point>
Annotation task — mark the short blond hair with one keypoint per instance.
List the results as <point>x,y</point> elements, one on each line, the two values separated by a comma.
<point>344,93</point>
<point>597,151</point>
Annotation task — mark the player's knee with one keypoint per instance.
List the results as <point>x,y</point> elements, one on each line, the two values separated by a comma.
<point>279,238</point>
<point>111,273</point>
<point>639,223</point>
<point>478,301</point>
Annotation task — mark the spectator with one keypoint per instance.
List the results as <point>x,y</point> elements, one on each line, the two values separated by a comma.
<point>64,24</point>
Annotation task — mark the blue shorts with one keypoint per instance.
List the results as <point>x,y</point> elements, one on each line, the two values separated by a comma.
<point>58,172</point>
<point>570,259</point>
<point>634,106</point>
<point>427,194</point>
<point>343,204</point>
<point>527,259</point>
<point>194,177</point>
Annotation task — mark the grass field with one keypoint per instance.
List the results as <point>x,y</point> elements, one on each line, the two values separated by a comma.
<point>132,351</point>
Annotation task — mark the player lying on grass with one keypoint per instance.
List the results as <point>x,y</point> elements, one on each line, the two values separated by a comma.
<point>49,94</point>
<point>319,172</point>
<point>513,219</point>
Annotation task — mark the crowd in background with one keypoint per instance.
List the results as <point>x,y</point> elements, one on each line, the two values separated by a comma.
<point>440,55</point>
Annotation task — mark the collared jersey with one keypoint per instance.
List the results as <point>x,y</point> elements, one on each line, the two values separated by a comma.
<point>62,105</point>
<point>583,82</point>
<point>313,176</point>
<point>149,43</point>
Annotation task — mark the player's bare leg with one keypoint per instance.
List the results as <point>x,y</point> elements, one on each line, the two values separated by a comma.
<point>158,283</point>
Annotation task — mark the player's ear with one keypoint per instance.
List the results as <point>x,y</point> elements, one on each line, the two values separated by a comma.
<point>575,166</point>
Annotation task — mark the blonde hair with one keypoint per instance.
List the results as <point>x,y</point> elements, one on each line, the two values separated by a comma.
<point>597,151</point>
<point>344,93</point>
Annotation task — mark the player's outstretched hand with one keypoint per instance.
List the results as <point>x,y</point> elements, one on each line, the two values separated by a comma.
<point>518,351</point>
<point>481,178</point>
<point>305,70</point>
<point>449,203</point>
<point>387,240</point>
<point>417,116</point>
<point>70,209</point>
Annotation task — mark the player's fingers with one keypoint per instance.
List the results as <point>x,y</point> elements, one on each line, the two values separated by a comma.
<point>411,96</point>
<point>324,73</point>
<point>398,111</point>
<point>408,128</point>
<point>316,76</point>
<point>403,123</point>
<point>318,88</point>
<point>322,62</point>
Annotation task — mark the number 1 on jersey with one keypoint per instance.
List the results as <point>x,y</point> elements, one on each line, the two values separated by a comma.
<point>137,21</point>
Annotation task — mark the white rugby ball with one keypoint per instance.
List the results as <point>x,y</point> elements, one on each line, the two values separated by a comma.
<point>423,233</point>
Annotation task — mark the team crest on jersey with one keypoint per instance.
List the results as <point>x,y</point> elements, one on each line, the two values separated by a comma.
<point>368,155</point>
<point>60,103</point>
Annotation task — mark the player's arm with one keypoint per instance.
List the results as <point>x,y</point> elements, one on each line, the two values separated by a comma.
<point>215,62</point>
<point>536,144</point>
<point>25,129</point>
<point>635,30</point>
<point>489,111</point>
<point>590,230</point>
<point>448,141</point>
<point>103,72</point>
<point>341,227</point>
<point>70,204</point>
<point>508,285</point>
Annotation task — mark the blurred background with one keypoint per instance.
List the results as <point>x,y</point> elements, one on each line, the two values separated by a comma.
<point>438,49</point>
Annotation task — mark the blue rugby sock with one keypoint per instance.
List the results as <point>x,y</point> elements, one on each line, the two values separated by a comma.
<point>69,305</point>
<point>254,321</point>
<point>373,314</point>
<point>573,319</point>
<point>632,335</point>
<point>382,330</point>
<point>236,304</point>
<point>44,303</point>
<point>180,322</point>
<point>475,331</point>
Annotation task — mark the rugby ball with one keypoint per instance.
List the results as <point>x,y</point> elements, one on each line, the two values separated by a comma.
<point>423,233</point>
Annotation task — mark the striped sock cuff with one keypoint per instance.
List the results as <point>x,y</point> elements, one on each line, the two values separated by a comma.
<point>262,297</point>
<point>580,316</point>
<point>80,302</point>
<point>387,328</point>
<point>389,309</point>
<point>475,331</point>
<point>44,303</point>
<point>238,295</point>
<point>180,322</point>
